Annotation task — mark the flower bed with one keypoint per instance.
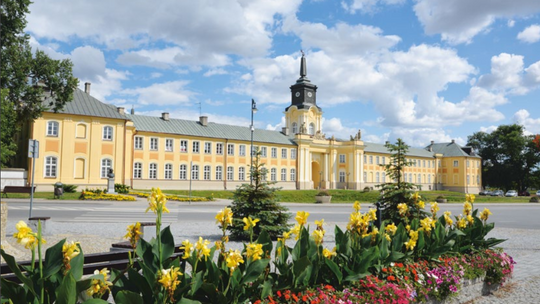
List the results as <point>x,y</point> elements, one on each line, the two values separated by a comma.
<point>101,196</point>
<point>176,197</point>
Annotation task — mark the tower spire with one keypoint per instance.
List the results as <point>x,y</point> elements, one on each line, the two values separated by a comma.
<point>303,69</point>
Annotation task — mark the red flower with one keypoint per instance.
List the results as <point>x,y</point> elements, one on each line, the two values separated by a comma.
<point>391,278</point>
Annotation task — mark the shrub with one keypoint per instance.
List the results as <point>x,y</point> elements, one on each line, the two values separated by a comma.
<point>70,188</point>
<point>367,189</point>
<point>440,197</point>
<point>121,188</point>
<point>534,199</point>
<point>323,193</point>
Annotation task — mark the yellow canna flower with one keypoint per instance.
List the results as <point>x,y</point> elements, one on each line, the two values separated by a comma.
<point>301,217</point>
<point>448,219</point>
<point>318,235</point>
<point>470,219</point>
<point>470,198</point>
<point>157,201</point>
<point>250,223</point>
<point>25,236</point>
<point>286,235</point>
<point>99,287</point>
<point>372,215</point>
<point>169,279</point>
<point>70,250</point>
<point>462,222</point>
<point>319,224</point>
<point>413,238</point>
<point>374,233</point>
<point>202,248</point>
<point>415,197</point>
<point>434,208</point>
<point>408,227</point>
<point>421,204</point>
<point>467,208</point>
<point>224,217</point>
<point>133,234</point>
<point>391,228</point>
<point>402,208</point>
<point>234,258</point>
<point>188,248</point>
<point>357,206</point>
<point>219,245</point>
<point>296,231</point>
<point>484,215</point>
<point>329,254</point>
<point>254,251</point>
<point>427,223</point>
<point>387,236</point>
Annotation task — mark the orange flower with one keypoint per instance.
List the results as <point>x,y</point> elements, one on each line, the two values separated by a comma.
<point>391,278</point>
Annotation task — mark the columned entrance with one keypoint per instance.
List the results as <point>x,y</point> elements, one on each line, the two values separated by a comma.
<point>316,175</point>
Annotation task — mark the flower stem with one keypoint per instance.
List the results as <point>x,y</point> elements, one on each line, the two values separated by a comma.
<point>39,237</point>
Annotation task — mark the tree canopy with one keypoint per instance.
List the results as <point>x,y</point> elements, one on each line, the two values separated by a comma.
<point>511,159</point>
<point>27,77</point>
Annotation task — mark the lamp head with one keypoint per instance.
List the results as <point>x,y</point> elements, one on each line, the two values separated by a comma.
<point>253,106</point>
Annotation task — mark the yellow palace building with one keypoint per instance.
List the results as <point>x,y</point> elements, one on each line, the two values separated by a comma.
<point>81,143</point>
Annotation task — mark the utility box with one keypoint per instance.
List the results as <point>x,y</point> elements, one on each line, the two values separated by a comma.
<point>58,190</point>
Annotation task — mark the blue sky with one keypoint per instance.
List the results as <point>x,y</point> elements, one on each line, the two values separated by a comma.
<point>420,70</point>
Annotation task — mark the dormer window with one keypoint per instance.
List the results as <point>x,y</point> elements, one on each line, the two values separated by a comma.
<point>294,128</point>
<point>311,129</point>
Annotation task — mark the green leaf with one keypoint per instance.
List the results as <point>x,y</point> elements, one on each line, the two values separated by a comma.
<point>127,297</point>
<point>335,270</point>
<point>254,270</point>
<point>96,301</point>
<point>266,241</point>
<point>13,291</point>
<point>267,288</point>
<point>301,271</point>
<point>66,292</point>
<point>196,282</point>
<point>10,261</point>
<point>140,282</point>
<point>53,259</point>
<point>167,243</point>
<point>188,301</point>
<point>77,264</point>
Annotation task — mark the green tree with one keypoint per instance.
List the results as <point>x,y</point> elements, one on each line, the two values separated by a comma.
<point>258,201</point>
<point>397,190</point>
<point>510,158</point>
<point>31,82</point>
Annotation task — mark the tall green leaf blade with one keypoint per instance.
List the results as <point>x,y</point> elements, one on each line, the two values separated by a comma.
<point>10,261</point>
<point>77,264</point>
<point>12,291</point>
<point>254,270</point>
<point>127,297</point>
<point>167,243</point>
<point>53,259</point>
<point>67,291</point>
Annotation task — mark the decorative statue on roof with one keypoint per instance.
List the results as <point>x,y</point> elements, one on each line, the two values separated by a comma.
<point>358,135</point>
<point>319,135</point>
<point>303,129</point>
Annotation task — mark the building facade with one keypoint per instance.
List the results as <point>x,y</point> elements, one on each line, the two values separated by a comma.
<point>80,144</point>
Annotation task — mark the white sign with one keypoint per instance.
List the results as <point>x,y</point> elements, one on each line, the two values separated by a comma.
<point>33,148</point>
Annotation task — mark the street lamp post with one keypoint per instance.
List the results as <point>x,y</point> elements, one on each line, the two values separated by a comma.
<point>253,111</point>
<point>347,186</point>
<point>320,179</point>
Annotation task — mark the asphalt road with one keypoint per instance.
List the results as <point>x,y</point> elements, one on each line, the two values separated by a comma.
<point>511,215</point>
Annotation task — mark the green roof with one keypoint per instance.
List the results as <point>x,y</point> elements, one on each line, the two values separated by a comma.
<point>380,148</point>
<point>84,104</point>
<point>211,130</point>
<point>452,149</point>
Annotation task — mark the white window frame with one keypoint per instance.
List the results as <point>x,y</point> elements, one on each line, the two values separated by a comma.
<point>294,128</point>
<point>207,171</point>
<point>137,170</point>
<point>51,166</point>
<point>342,158</point>
<point>195,148</point>
<point>168,171</point>
<point>341,176</point>
<point>219,173</point>
<point>53,128</point>
<point>195,172</point>
<point>107,133</point>
<point>293,153</point>
<point>273,152</point>
<point>273,174</point>
<point>377,177</point>
<point>207,147</point>
<point>242,150</point>
<point>230,173</point>
<point>230,149</point>
<point>283,174</point>
<point>139,142</point>
<point>219,148</point>
<point>263,151</point>
<point>154,143</point>
<point>293,175</point>
<point>169,144</point>
<point>105,167</point>
<point>311,129</point>
<point>184,143</point>
<point>456,163</point>
<point>183,172</point>
<point>371,159</point>
<point>241,173</point>
<point>152,171</point>
<point>283,153</point>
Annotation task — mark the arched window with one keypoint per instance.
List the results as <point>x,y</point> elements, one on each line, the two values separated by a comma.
<point>293,175</point>
<point>80,166</point>
<point>312,129</point>
<point>152,171</point>
<point>294,128</point>
<point>273,173</point>
<point>384,177</point>
<point>219,173</point>
<point>195,172</point>
<point>137,170</point>
<point>377,176</point>
<point>106,164</point>
<point>419,178</point>
<point>206,174</point>
<point>283,174</point>
<point>51,166</point>
<point>52,128</point>
<point>81,130</point>
<point>230,173</point>
<point>241,173</point>
<point>183,172</point>
<point>168,171</point>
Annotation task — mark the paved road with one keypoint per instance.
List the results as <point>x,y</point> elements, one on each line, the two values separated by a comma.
<point>515,215</point>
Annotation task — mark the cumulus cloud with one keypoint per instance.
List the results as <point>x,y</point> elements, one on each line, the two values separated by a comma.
<point>88,63</point>
<point>530,35</point>
<point>190,114</point>
<point>475,17</point>
<point>167,93</point>
<point>334,126</point>
<point>508,75</point>
<point>367,5</point>
<point>532,125</point>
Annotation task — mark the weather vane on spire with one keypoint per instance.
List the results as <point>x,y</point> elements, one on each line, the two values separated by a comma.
<point>303,54</point>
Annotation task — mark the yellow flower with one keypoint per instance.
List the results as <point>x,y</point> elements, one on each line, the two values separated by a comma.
<point>408,227</point>
<point>286,235</point>
<point>415,196</point>
<point>296,231</point>
<point>462,222</point>
<point>467,208</point>
<point>25,236</point>
<point>224,217</point>
<point>421,204</point>
<point>234,258</point>
<point>168,278</point>
<point>250,223</point>
<point>301,217</point>
<point>448,219</point>
<point>387,236</point>
<point>318,235</point>
<point>188,248</point>
<point>470,219</point>
<point>372,215</point>
<point>328,254</point>
<point>157,201</point>
<point>484,215</point>
<point>434,208</point>
<point>99,287</point>
<point>202,248</point>
<point>70,250</point>
<point>413,238</point>
<point>374,233</point>
<point>470,198</point>
<point>357,206</point>
<point>254,251</point>
<point>427,223</point>
<point>402,208</point>
<point>391,228</point>
<point>219,245</point>
<point>133,234</point>
<point>319,224</point>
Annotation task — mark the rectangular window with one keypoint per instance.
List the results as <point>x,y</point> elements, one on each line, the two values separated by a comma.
<point>195,172</point>
<point>274,152</point>
<point>365,159</point>
<point>230,149</point>
<point>242,150</point>
<point>183,172</point>
<point>230,173</point>
<point>283,175</point>
<point>195,148</point>
<point>293,153</point>
<point>207,148</point>
<point>50,166</point>
<point>342,158</point>
<point>219,173</point>
<point>169,145</point>
<point>263,151</point>
<point>152,173</point>
<point>183,145</point>
<point>219,149</point>
<point>241,173</point>
<point>106,164</point>
<point>107,133</point>
<point>293,175</point>
<point>138,143</point>
<point>52,128</point>
<point>283,153</point>
<point>384,160</point>
<point>168,171</point>
<point>153,143</point>
<point>456,163</point>
<point>377,160</point>
<point>341,177</point>
<point>206,174</point>
<point>273,174</point>
<point>137,170</point>
<point>467,163</point>
<point>424,162</point>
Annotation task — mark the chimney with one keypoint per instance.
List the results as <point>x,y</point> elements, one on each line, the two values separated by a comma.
<point>432,142</point>
<point>87,87</point>
<point>453,140</point>
<point>165,116</point>
<point>203,120</point>
<point>121,110</point>
<point>285,131</point>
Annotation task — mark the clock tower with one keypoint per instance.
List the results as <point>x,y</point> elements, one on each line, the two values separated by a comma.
<point>303,115</point>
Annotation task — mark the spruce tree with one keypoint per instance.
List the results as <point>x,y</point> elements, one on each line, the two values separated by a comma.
<point>258,200</point>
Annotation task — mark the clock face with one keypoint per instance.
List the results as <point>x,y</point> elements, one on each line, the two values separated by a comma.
<point>309,94</point>
<point>297,94</point>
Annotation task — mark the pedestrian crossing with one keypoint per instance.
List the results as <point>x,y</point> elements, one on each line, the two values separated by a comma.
<point>123,217</point>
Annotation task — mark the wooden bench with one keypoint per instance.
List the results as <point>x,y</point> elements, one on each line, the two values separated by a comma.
<point>17,189</point>
<point>94,261</point>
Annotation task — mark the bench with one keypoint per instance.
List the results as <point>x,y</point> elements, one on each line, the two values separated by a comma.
<point>94,261</point>
<point>17,189</point>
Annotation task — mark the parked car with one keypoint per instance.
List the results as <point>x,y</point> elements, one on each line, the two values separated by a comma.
<point>524,193</point>
<point>483,192</point>
<point>497,193</point>
<point>538,193</point>
<point>511,193</point>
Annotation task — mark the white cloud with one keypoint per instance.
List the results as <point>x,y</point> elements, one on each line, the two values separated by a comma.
<point>420,137</point>
<point>532,125</point>
<point>367,5</point>
<point>530,35</point>
<point>488,129</point>
<point>193,115</point>
<point>88,63</point>
<point>511,23</point>
<point>155,75</point>
<point>213,72</point>
<point>106,85</point>
<point>509,76</point>
<point>459,21</point>
<point>167,93</point>
<point>335,127</point>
